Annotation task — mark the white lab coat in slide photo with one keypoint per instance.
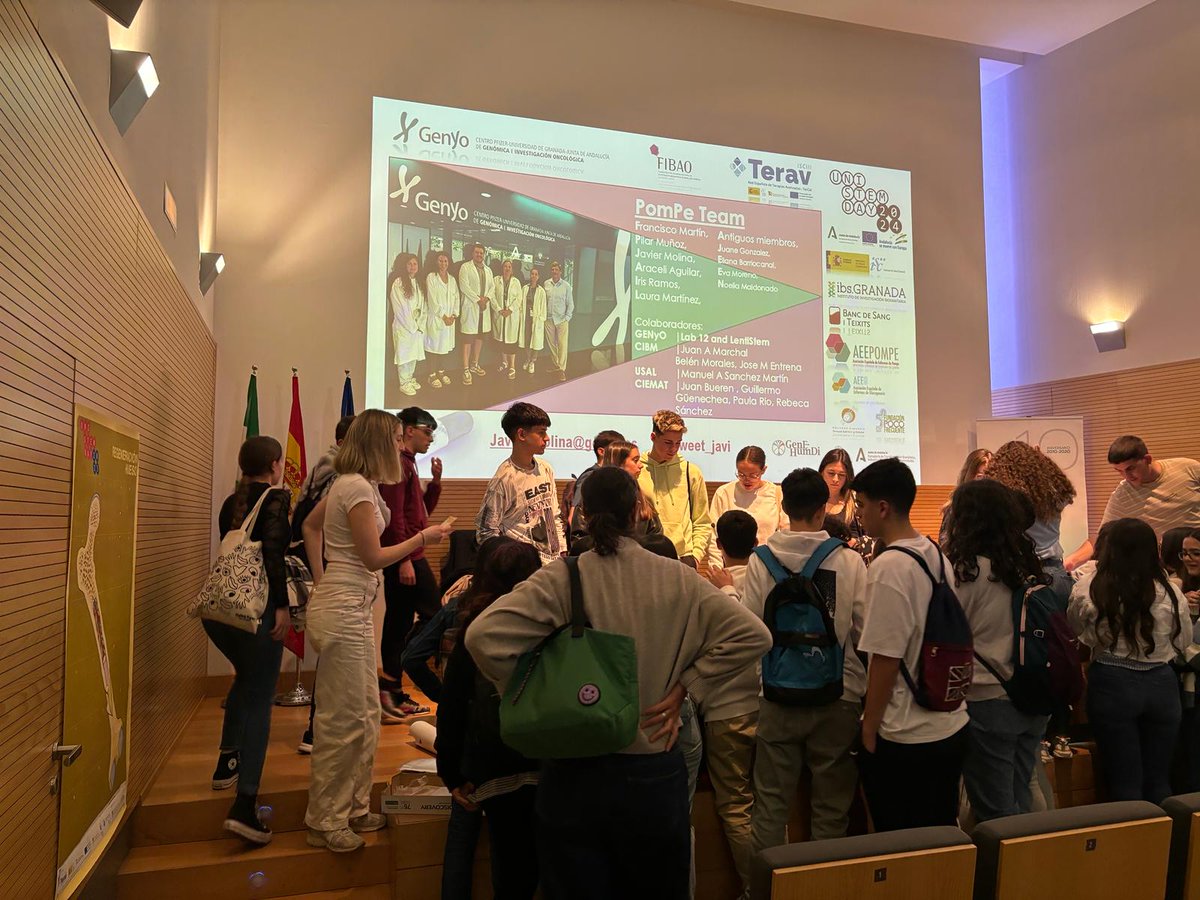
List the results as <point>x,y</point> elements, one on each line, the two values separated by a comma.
<point>408,323</point>
<point>442,299</point>
<point>472,319</point>
<point>506,329</point>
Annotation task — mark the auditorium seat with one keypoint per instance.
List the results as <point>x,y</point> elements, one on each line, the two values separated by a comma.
<point>1104,850</point>
<point>1183,871</point>
<point>891,864</point>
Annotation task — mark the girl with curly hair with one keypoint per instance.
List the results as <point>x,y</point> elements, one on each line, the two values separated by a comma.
<point>992,557</point>
<point>1031,472</point>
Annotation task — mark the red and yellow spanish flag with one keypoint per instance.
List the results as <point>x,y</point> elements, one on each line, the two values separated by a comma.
<point>295,465</point>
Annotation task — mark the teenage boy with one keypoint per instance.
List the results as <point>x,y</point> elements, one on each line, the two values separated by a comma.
<point>731,713</point>
<point>912,757</point>
<point>520,501</point>
<point>409,587</point>
<point>600,442</point>
<point>1164,493</point>
<point>677,488</point>
<point>821,738</point>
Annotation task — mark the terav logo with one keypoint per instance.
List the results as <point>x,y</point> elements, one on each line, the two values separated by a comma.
<point>405,127</point>
<point>404,184</point>
<point>782,174</point>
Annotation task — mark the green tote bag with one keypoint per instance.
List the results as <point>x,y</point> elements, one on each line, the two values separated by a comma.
<point>575,694</point>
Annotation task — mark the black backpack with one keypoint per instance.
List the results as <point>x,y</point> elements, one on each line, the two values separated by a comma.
<point>946,662</point>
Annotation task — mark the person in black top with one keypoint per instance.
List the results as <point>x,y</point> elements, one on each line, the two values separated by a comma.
<point>473,762</point>
<point>255,657</point>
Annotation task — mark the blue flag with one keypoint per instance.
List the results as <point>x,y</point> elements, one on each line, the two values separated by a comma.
<point>347,398</point>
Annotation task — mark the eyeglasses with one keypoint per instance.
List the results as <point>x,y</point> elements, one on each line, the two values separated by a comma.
<point>749,476</point>
<point>424,429</point>
<point>1189,554</point>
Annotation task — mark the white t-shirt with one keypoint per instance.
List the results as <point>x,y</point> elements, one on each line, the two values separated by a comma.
<point>1173,501</point>
<point>898,595</point>
<point>988,605</point>
<point>765,505</point>
<point>347,492</point>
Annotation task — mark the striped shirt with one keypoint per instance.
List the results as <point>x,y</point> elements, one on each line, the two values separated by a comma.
<point>1173,501</point>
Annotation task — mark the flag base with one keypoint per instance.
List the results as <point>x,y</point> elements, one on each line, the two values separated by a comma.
<point>297,696</point>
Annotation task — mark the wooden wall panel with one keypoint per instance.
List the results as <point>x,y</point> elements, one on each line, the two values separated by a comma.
<point>90,310</point>
<point>1153,402</point>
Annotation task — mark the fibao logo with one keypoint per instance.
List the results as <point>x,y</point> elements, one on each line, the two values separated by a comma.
<point>454,211</point>
<point>454,140</point>
<point>670,165</point>
<point>795,448</point>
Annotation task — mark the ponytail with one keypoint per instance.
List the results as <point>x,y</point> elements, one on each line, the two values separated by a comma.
<point>611,498</point>
<point>255,459</point>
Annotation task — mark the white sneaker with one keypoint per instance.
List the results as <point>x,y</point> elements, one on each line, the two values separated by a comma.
<point>368,822</point>
<point>407,388</point>
<point>531,364</point>
<point>340,840</point>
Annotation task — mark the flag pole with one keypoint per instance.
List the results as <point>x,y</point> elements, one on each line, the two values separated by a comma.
<point>298,695</point>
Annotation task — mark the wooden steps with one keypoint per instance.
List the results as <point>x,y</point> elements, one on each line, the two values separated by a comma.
<point>229,869</point>
<point>370,892</point>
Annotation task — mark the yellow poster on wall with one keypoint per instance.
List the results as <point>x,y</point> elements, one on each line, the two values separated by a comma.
<point>98,674</point>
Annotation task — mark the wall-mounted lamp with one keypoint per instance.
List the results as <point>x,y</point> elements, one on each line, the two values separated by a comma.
<point>121,10</point>
<point>1109,336</point>
<point>211,265</point>
<point>132,81</point>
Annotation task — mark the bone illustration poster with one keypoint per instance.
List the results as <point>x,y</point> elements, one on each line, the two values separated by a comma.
<point>99,641</point>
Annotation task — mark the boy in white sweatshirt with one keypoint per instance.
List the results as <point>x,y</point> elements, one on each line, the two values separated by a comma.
<point>819,736</point>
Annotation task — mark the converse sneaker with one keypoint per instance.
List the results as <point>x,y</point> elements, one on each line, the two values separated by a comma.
<point>466,376</point>
<point>226,773</point>
<point>243,821</point>
<point>304,748</point>
<point>368,822</point>
<point>339,840</point>
<point>1062,747</point>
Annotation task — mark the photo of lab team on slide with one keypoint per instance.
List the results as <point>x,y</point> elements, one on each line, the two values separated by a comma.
<point>495,300</point>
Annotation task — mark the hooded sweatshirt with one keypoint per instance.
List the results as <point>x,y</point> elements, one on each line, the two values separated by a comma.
<point>681,498</point>
<point>842,580</point>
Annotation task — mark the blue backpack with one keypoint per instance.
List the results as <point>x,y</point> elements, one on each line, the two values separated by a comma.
<point>804,665</point>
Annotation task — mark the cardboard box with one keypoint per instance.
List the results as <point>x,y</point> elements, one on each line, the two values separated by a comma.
<point>416,795</point>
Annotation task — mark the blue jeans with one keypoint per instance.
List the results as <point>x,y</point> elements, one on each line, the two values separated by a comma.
<point>255,659</point>
<point>1001,754</point>
<point>458,859</point>
<point>1135,718</point>
<point>614,826</point>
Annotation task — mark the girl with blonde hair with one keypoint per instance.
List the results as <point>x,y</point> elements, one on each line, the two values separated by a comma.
<point>344,528</point>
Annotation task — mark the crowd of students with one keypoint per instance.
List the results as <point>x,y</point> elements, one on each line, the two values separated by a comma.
<point>826,634</point>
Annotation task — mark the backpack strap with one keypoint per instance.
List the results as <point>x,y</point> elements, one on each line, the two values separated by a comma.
<point>578,619</point>
<point>920,561</point>
<point>774,566</point>
<point>820,555</point>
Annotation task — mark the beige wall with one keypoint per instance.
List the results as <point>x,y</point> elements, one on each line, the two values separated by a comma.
<point>296,88</point>
<point>174,138</point>
<point>1104,148</point>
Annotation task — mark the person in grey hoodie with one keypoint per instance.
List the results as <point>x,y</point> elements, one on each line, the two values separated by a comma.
<point>617,825</point>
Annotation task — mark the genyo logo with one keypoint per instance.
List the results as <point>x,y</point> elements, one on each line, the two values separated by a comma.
<point>737,166</point>
<point>589,695</point>
<point>848,415</point>
<point>405,127</point>
<point>670,164</point>
<point>795,448</point>
<point>405,184</point>
<point>889,424</point>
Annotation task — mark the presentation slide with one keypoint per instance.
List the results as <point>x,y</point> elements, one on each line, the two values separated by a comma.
<point>767,298</point>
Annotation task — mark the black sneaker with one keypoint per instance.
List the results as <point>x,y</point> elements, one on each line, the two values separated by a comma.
<point>226,774</point>
<point>244,822</point>
<point>304,748</point>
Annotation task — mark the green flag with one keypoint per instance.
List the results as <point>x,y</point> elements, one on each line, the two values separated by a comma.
<point>250,420</point>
